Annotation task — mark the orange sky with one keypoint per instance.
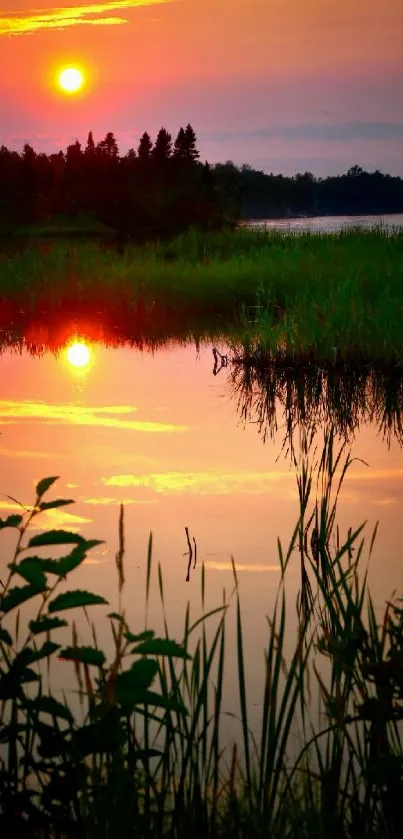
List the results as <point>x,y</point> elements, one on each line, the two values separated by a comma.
<point>285,86</point>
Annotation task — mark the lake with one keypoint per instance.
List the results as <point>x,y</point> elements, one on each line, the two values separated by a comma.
<point>181,447</point>
<point>328,224</point>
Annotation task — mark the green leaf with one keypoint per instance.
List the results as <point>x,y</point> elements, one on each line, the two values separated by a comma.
<point>31,571</point>
<point>49,705</point>
<point>161,646</point>
<point>74,599</point>
<point>5,636</point>
<point>77,556</point>
<point>116,616</point>
<point>18,595</point>
<point>87,655</point>
<point>62,566</point>
<point>147,635</point>
<point>131,687</point>
<point>28,655</point>
<point>44,624</point>
<point>44,485</point>
<point>28,675</point>
<point>58,502</point>
<point>11,521</point>
<point>143,672</point>
<point>159,701</point>
<point>55,537</point>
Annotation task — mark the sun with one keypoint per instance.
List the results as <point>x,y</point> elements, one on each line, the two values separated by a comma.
<point>78,354</point>
<point>71,79</point>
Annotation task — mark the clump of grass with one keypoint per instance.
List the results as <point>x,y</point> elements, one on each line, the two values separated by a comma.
<point>146,759</point>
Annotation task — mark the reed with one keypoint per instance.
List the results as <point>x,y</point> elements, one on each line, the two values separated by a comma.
<point>145,756</point>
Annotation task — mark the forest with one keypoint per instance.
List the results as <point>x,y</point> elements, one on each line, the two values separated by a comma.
<point>161,188</point>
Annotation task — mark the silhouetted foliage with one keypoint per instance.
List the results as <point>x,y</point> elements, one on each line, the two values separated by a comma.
<point>162,188</point>
<point>163,146</point>
<point>157,191</point>
<point>145,147</point>
<point>259,195</point>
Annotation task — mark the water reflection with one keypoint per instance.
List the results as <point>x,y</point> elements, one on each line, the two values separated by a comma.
<point>280,398</point>
<point>159,433</point>
<point>78,354</point>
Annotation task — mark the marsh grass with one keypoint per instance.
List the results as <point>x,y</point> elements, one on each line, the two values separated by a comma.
<point>148,757</point>
<point>308,296</point>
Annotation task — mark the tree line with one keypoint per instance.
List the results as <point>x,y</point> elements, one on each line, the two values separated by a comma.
<point>260,195</point>
<point>158,189</point>
<point>161,188</point>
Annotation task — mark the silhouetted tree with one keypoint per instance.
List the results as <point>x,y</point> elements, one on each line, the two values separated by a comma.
<point>130,155</point>
<point>161,191</point>
<point>145,147</point>
<point>355,172</point>
<point>190,144</point>
<point>109,146</point>
<point>180,145</point>
<point>90,147</point>
<point>163,146</point>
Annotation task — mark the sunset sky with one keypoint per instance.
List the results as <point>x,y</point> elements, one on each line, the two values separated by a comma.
<point>284,86</point>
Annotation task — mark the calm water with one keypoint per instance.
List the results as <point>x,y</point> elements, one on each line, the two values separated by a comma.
<point>180,448</point>
<point>329,224</point>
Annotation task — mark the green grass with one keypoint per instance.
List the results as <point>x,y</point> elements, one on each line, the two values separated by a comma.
<point>81,225</point>
<point>145,756</point>
<point>309,296</point>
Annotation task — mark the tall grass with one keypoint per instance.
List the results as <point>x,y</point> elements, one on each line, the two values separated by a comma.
<point>146,757</point>
<point>307,295</point>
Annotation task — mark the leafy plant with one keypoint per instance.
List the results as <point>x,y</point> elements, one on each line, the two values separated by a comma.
<point>55,771</point>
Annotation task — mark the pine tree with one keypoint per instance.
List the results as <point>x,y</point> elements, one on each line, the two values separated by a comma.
<point>180,145</point>
<point>185,144</point>
<point>90,147</point>
<point>163,146</point>
<point>109,146</point>
<point>191,148</point>
<point>145,147</point>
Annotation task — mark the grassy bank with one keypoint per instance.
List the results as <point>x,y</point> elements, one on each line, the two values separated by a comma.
<point>309,296</point>
<point>146,758</point>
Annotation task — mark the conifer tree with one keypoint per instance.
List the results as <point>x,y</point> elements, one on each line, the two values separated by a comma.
<point>191,149</point>
<point>109,146</point>
<point>90,147</point>
<point>145,147</point>
<point>180,145</point>
<point>163,146</point>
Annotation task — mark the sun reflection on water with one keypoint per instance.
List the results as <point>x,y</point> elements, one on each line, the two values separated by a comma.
<point>79,355</point>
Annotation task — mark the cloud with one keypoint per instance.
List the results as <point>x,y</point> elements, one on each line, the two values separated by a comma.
<point>312,131</point>
<point>58,519</point>
<point>13,505</point>
<point>106,500</point>
<point>252,567</point>
<point>376,475</point>
<point>200,483</point>
<point>49,518</point>
<point>80,415</point>
<point>26,454</point>
<point>63,17</point>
